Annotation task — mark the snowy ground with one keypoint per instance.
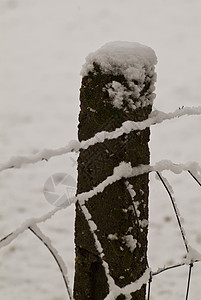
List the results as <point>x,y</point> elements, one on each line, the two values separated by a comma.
<point>43,46</point>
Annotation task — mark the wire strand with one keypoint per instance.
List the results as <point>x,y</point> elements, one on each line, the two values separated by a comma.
<point>189,279</point>
<point>59,265</point>
<point>149,287</point>
<point>175,210</point>
<point>194,177</point>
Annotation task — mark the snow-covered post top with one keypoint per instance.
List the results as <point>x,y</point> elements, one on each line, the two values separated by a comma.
<point>117,85</point>
<point>136,63</point>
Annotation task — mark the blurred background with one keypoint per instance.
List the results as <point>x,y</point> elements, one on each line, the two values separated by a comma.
<point>43,45</point>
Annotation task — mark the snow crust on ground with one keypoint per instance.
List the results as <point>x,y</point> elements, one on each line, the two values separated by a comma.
<point>44,45</point>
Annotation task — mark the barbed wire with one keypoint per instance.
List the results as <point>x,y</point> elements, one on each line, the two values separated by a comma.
<point>177,214</point>
<point>168,188</point>
<point>52,250</point>
<point>124,170</point>
<point>156,117</point>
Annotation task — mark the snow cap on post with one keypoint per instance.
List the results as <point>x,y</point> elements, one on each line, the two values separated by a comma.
<point>135,62</point>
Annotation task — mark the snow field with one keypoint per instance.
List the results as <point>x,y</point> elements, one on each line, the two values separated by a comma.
<point>44,46</point>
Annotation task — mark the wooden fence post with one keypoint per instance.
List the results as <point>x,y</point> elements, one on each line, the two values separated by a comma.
<point>117,85</point>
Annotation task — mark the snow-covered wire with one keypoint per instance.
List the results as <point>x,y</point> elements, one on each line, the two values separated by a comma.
<point>189,279</point>
<point>156,117</point>
<point>93,228</point>
<point>5,241</point>
<point>132,194</point>
<point>135,210</point>
<point>61,264</point>
<point>194,177</point>
<point>46,241</point>
<point>190,251</point>
<point>163,269</point>
<point>5,237</point>
<point>124,170</point>
<point>130,288</point>
<point>176,211</point>
<point>114,290</point>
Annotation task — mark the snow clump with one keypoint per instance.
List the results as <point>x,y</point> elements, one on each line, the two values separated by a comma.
<point>136,63</point>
